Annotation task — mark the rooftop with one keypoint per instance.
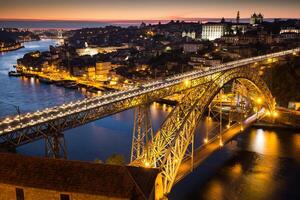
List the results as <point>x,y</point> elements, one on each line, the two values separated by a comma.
<point>76,176</point>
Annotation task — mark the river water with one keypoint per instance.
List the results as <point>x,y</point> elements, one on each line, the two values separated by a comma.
<point>258,164</point>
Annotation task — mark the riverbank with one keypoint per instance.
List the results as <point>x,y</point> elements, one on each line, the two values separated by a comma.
<point>60,78</point>
<point>274,126</point>
<point>10,48</point>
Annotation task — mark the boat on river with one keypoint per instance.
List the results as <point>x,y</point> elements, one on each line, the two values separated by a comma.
<point>45,80</point>
<point>70,84</point>
<point>14,73</point>
<point>59,82</point>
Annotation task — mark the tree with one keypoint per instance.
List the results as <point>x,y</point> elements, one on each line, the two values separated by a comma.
<point>115,159</point>
<point>98,161</point>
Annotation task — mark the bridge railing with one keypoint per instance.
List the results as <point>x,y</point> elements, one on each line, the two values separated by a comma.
<point>33,118</point>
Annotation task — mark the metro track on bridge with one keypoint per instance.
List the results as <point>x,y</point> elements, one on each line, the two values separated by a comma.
<point>23,128</point>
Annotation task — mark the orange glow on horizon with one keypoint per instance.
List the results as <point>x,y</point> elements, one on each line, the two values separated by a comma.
<point>106,11</point>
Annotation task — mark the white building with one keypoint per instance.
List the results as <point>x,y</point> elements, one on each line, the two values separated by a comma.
<point>189,34</point>
<point>289,30</point>
<point>212,31</point>
<point>256,19</point>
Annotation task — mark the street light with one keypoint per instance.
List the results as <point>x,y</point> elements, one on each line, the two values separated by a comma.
<point>146,163</point>
<point>221,143</point>
<point>187,82</point>
<point>259,100</point>
<point>17,109</point>
<point>275,114</point>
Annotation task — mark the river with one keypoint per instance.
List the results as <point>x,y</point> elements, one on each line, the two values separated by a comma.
<point>258,164</point>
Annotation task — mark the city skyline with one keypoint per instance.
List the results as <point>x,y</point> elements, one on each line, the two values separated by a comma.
<point>144,10</point>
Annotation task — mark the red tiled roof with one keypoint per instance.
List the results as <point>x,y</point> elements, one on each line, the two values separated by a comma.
<point>75,176</point>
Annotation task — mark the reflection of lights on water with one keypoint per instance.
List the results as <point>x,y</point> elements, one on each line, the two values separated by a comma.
<point>265,142</point>
<point>259,143</point>
<point>32,80</point>
<point>296,142</point>
<point>215,190</point>
<point>236,170</point>
<point>155,106</point>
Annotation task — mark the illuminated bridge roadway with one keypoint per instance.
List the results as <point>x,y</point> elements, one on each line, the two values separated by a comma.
<point>24,128</point>
<point>171,148</point>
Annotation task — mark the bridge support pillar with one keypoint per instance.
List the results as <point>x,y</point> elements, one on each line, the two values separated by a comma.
<point>55,146</point>
<point>142,131</point>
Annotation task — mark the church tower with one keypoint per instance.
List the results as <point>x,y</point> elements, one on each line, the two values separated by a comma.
<point>238,17</point>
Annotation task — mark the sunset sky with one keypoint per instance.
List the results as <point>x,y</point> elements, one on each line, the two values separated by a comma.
<point>144,9</point>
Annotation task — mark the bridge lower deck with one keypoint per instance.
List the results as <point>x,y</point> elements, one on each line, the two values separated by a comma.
<point>213,145</point>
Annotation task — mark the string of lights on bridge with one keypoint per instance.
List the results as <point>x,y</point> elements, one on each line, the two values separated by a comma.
<point>20,121</point>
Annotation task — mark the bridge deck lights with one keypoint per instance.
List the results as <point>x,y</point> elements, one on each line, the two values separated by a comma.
<point>275,114</point>
<point>259,100</point>
<point>205,140</point>
<point>221,143</point>
<point>242,128</point>
<point>187,82</point>
<point>147,164</point>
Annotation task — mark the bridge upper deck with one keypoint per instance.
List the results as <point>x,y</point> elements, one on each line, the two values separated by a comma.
<point>89,109</point>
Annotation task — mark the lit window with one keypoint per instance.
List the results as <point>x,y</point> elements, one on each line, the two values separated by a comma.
<point>19,194</point>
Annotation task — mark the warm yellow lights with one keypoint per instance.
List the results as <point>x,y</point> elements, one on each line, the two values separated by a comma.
<point>187,82</point>
<point>221,143</point>
<point>147,164</point>
<point>259,100</point>
<point>205,140</point>
<point>242,128</point>
<point>275,114</point>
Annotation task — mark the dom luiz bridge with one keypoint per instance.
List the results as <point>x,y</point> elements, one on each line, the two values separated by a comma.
<point>228,98</point>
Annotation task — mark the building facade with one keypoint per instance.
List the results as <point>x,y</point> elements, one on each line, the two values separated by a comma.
<point>212,31</point>
<point>256,19</point>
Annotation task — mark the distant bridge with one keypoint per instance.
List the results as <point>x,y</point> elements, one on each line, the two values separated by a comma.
<point>173,143</point>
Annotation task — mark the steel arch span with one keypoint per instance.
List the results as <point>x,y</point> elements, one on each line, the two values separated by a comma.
<point>170,143</point>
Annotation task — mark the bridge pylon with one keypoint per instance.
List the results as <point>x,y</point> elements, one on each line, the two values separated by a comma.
<point>55,146</point>
<point>142,131</point>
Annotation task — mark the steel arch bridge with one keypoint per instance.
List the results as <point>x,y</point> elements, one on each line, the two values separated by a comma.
<point>23,128</point>
<point>167,148</point>
<point>170,144</point>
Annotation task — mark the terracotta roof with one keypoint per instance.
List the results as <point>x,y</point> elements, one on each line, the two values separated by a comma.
<point>76,176</point>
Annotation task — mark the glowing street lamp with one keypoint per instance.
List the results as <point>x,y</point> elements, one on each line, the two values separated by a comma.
<point>275,114</point>
<point>187,82</point>
<point>259,100</point>
<point>147,164</point>
<point>221,143</point>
